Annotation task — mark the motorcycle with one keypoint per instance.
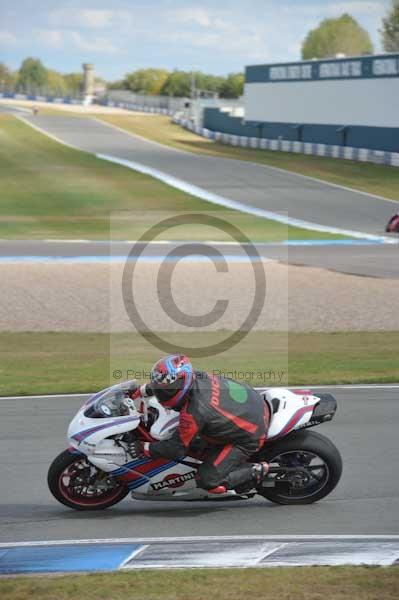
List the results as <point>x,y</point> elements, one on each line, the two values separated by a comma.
<point>97,470</point>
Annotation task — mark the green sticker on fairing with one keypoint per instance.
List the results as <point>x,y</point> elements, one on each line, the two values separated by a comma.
<point>237,392</point>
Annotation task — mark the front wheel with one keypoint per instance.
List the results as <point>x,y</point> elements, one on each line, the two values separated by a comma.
<point>75,482</point>
<point>304,468</point>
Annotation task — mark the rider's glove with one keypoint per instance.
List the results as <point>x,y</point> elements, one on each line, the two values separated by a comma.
<point>138,449</point>
<point>142,391</point>
<point>130,387</point>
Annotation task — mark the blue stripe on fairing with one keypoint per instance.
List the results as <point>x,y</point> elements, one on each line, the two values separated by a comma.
<point>56,559</point>
<point>130,466</point>
<point>138,482</point>
<point>82,435</point>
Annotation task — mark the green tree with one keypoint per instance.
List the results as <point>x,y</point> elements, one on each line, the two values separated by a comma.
<point>74,83</point>
<point>233,86</point>
<point>6,77</point>
<point>32,75</point>
<point>117,85</point>
<point>146,81</point>
<point>333,36</point>
<point>209,83</point>
<point>177,84</point>
<point>56,84</point>
<point>390,29</point>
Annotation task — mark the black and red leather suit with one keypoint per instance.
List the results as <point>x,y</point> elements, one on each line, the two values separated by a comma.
<point>230,419</point>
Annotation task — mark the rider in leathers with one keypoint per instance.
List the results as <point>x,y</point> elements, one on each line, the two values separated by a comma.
<point>230,419</point>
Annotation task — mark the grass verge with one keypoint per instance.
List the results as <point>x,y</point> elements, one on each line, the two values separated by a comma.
<point>310,583</point>
<point>51,191</point>
<point>368,177</point>
<point>47,363</point>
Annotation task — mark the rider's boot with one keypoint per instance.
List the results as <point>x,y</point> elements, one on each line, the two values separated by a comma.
<point>259,472</point>
<point>219,489</point>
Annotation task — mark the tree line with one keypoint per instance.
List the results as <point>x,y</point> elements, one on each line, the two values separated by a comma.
<point>33,78</point>
<point>332,37</point>
<point>180,83</point>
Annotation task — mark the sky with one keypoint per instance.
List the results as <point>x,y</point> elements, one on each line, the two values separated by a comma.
<point>214,36</point>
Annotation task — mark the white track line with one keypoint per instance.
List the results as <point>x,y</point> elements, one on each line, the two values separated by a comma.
<point>203,194</point>
<point>370,386</point>
<point>201,538</point>
<point>134,554</point>
<point>221,200</point>
<point>278,169</point>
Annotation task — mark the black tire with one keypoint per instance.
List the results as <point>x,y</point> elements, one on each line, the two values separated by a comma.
<point>64,494</point>
<point>304,441</point>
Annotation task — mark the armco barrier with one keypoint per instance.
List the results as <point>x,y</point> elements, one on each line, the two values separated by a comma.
<point>358,154</point>
<point>139,107</point>
<point>67,100</point>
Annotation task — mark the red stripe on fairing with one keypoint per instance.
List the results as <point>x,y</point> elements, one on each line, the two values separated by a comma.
<point>140,470</point>
<point>294,420</point>
<point>266,420</point>
<point>215,398</point>
<point>225,452</point>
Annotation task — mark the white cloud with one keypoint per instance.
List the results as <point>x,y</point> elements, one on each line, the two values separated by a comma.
<point>98,45</point>
<point>89,18</point>
<point>196,16</point>
<point>6,37</point>
<point>50,37</point>
<point>356,7</point>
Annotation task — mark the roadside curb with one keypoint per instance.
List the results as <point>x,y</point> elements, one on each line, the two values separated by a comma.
<point>123,554</point>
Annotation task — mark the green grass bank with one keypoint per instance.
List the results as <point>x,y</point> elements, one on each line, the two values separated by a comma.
<point>51,363</point>
<point>304,583</point>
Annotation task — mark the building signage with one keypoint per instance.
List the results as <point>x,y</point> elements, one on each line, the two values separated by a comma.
<point>357,68</point>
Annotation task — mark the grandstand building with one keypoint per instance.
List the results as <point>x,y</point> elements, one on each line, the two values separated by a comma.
<point>343,101</point>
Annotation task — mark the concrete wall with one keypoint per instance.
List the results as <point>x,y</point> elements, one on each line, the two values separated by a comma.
<point>368,102</point>
<point>362,91</point>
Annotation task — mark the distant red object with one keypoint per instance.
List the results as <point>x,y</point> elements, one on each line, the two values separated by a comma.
<point>393,224</point>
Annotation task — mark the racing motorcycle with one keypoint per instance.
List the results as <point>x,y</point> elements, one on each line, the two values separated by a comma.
<point>97,471</point>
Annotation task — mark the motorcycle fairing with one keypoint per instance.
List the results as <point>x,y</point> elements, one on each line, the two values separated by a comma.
<point>289,410</point>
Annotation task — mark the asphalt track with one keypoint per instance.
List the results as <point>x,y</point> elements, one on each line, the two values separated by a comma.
<point>32,432</point>
<point>374,260</point>
<point>252,184</point>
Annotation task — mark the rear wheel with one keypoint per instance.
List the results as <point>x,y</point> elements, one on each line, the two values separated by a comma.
<point>304,468</point>
<point>75,482</point>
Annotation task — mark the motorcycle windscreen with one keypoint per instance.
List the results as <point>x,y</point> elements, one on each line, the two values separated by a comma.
<point>108,404</point>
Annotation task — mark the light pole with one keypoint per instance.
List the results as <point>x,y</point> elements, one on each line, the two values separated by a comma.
<point>193,96</point>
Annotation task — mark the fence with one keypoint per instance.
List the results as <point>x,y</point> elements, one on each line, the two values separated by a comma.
<point>315,149</point>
